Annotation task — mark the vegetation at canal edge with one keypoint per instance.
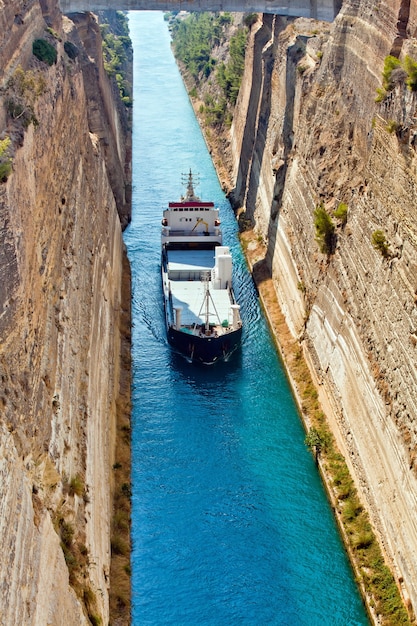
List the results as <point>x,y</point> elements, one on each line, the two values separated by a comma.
<point>211,51</point>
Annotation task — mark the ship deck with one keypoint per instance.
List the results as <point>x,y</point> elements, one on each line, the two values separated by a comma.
<point>188,291</point>
<point>182,261</point>
<point>189,294</point>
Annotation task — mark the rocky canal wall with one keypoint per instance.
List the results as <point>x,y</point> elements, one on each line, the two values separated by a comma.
<point>61,304</point>
<point>308,132</point>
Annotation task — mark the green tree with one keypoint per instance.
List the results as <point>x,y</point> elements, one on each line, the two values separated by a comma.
<point>315,442</point>
<point>44,51</point>
<point>325,228</point>
<point>194,39</point>
<point>116,49</point>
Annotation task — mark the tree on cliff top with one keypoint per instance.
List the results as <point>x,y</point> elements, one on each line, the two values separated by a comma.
<point>211,49</point>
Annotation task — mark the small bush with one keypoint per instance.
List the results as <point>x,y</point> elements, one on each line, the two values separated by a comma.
<point>44,51</point>
<point>363,540</point>
<point>351,510</point>
<point>53,33</point>
<point>121,520</point>
<point>341,213</point>
<point>71,50</point>
<point>390,64</point>
<point>5,159</point>
<point>22,91</point>
<point>250,19</point>
<point>312,439</point>
<point>90,602</point>
<point>396,72</point>
<point>381,94</point>
<point>67,533</point>
<point>379,242</point>
<point>324,230</point>
<point>119,545</point>
<point>126,490</point>
<point>76,486</point>
<point>410,67</point>
<point>392,126</point>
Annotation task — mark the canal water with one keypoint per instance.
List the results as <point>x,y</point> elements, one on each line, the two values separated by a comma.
<point>230,523</point>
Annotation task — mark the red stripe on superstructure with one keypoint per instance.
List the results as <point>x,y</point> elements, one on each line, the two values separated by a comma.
<point>190,204</point>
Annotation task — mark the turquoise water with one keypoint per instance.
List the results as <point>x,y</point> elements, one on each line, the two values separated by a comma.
<point>230,523</point>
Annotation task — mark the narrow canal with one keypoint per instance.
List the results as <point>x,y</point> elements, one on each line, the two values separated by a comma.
<point>230,522</point>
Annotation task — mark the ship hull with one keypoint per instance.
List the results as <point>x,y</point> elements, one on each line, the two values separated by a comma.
<point>204,350</point>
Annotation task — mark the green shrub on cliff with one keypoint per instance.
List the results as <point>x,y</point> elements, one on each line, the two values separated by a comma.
<point>116,51</point>
<point>410,67</point>
<point>325,228</point>
<point>379,242</point>
<point>250,19</point>
<point>71,50</point>
<point>396,71</point>
<point>44,51</point>
<point>390,64</point>
<point>5,159</point>
<point>341,213</point>
<point>21,92</point>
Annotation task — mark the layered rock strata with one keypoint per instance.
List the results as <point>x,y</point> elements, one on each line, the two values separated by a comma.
<point>60,343</point>
<point>308,132</point>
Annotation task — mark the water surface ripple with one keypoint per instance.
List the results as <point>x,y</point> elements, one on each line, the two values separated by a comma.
<point>230,524</point>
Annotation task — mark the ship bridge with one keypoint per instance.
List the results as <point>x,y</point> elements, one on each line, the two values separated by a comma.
<point>325,10</point>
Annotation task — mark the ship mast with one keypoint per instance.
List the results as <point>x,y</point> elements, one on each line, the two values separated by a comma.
<point>205,278</point>
<point>190,194</point>
<point>207,301</point>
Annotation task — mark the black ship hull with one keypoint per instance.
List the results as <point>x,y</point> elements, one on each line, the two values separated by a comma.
<point>204,350</point>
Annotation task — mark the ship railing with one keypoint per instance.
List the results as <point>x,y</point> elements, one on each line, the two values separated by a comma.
<point>189,233</point>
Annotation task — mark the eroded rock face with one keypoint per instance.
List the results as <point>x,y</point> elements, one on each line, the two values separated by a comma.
<point>317,136</point>
<point>60,305</point>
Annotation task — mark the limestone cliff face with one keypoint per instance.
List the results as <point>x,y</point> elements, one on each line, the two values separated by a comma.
<point>61,256</point>
<point>308,131</point>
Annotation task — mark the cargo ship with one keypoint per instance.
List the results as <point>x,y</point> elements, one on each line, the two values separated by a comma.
<point>202,316</point>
